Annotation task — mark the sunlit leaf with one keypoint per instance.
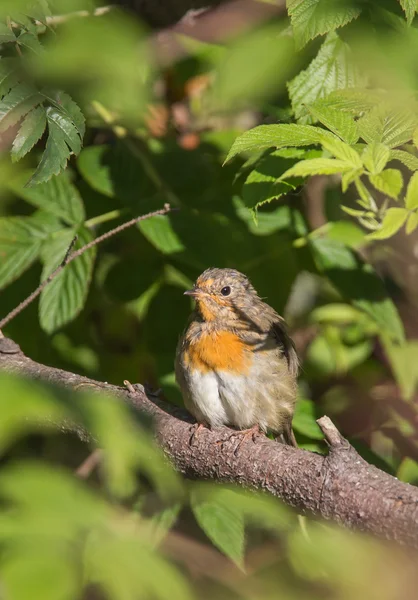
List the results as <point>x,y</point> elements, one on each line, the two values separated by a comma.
<point>393,220</point>
<point>375,157</point>
<point>411,198</point>
<point>389,182</point>
<point>317,166</point>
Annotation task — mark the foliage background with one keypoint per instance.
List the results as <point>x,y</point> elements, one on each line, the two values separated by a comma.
<point>103,132</point>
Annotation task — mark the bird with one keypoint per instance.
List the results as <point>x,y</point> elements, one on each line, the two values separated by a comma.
<point>236,364</point>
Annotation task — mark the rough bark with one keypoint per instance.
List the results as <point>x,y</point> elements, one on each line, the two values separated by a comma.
<point>340,486</point>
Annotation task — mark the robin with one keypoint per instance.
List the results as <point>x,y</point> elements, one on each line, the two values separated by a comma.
<point>235,363</point>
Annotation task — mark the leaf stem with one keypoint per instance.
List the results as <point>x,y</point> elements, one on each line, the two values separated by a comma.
<point>104,218</point>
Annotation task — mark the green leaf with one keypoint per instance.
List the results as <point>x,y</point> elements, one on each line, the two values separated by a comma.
<point>30,132</point>
<point>222,523</point>
<point>330,70</point>
<point>31,42</point>
<point>262,184</point>
<point>411,198</point>
<point>317,166</point>
<point>311,18</point>
<point>406,158</point>
<point>67,107</point>
<point>54,158</point>
<point>20,244</point>
<point>6,34</point>
<point>160,233</point>
<point>411,223</point>
<point>357,282</point>
<point>410,8</point>
<point>57,196</point>
<point>66,126</point>
<point>343,152</point>
<point>277,136</point>
<point>388,182</point>
<point>64,297</point>
<point>8,75</point>
<point>353,100</point>
<point>340,123</point>
<point>19,101</point>
<point>304,420</point>
<point>403,360</point>
<point>393,220</point>
<point>95,170</point>
<point>390,126</point>
<point>375,157</point>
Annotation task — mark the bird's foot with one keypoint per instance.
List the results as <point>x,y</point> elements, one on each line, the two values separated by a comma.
<point>253,432</point>
<point>197,427</point>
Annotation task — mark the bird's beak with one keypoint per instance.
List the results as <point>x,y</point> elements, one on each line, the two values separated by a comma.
<point>194,292</point>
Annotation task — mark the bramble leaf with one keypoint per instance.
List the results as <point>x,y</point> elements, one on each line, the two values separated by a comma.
<point>317,166</point>
<point>375,157</point>
<point>388,182</point>
<point>330,70</point>
<point>17,103</point>
<point>64,297</point>
<point>311,18</point>
<point>393,220</point>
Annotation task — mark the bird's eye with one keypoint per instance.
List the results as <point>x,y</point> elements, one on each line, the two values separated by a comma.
<point>225,291</point>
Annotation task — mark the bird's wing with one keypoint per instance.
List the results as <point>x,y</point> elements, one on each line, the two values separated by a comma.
<point>285,341</point>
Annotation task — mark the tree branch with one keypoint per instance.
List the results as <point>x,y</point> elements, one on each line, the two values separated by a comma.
<point>340,486</point>
<point>70,256</point>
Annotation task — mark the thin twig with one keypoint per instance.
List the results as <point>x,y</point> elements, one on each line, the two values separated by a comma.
<point>87,466</point>
<point>70,256</point>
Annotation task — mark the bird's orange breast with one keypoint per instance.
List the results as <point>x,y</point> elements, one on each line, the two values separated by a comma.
<point>223,351</point>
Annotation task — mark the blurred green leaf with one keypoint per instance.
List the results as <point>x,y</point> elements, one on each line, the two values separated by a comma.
<point>389,182</point>
<point>406,158</point>
<point>92,167</point>
<point>304,420</point>
<point>412,223</point>
<point>161,234</point>
<point>403,360</point>
<point>311,18</point>
<point>375,157</point>
<point>6,34</point>
<point>411,198</point>
<point>64,297</point>
<point>357,281</point>
<point>58,196</point>
<point>393,220</point>
<point>408,471</point>
<point>389,125</point>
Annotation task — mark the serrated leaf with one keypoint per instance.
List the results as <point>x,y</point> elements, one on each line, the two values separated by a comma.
<point>411,198</point>
<point>343,152</point>
<point>357,282</point>
<point>67,128</point>
<point>222,523</point>
<point>6,34</point>
<point>277,136</point>
<point>389,182</point>
<point>304,420</point>
<point>311,18</point>
<point>411,223</point>
<point>317,166</point>
<point>19,101</point>
<point>64,297</point>
<point>70,109</point>
<point>330,70</point>
<point>354,100</point>
<point>30,132</point>
<point>55,156</point>
<point>410,8</point>
<point>375,157</point>
<point>393,220</point>
<point>160,233</point>
<point>262,184</point>
<point>340,123</point>
<point>20,244</point>
<point>390,126</point>
<point>30,40</point>
<point>406,158</point>
<point>57,196</point>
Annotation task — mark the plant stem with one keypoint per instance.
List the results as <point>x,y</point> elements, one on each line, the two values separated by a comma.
<point>104,218</point>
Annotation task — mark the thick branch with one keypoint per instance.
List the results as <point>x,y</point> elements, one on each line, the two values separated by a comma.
<point>340,486</point>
